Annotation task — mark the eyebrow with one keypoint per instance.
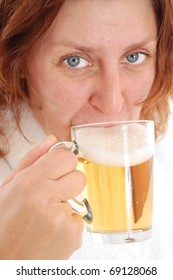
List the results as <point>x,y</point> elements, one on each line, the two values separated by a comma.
<point>81,47</point>
<point>74,45</point>
<point>142,43</point>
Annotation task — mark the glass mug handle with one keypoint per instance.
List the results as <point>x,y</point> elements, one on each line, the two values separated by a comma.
<point>81,207</point>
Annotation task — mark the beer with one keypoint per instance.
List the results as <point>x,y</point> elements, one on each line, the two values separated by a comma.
<point>117,160</point>
<point>120,197</point>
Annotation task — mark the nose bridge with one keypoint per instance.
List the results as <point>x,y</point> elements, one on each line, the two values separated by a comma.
<point>108,94</point>
<point>111,85</point>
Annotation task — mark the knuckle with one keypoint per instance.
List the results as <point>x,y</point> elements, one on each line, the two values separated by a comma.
<point>60,215</point>
<point>25,179</point>
<point>20,179</point>
<point>68,157</point>
<point>81,177</point>
<point>27,186</point>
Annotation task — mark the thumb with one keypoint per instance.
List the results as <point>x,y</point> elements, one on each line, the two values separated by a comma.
<point>33,155</point>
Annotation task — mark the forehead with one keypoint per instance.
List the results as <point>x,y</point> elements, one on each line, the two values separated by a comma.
<point>102,21</point>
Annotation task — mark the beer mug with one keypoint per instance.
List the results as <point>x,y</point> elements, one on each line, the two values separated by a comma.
<point>117,159</point>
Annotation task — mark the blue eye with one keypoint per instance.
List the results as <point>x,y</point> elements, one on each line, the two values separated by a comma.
<point>76,62</point>
<point>135,58</point>
<point>73,61</point>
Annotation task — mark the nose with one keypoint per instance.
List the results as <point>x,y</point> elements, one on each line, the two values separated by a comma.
<point>107,95</point>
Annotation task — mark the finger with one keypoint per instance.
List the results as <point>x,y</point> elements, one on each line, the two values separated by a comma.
<point>77,228</point>
<point>66,215</point>
<point>54,191</point>
<point>33,156</point>
<point>55,164</point>
<point>61,207</point>
<point>69,186</point>
<point>71,227</point>
<point>38,188</point>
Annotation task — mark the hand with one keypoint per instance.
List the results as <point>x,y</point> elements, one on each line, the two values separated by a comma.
<point>36,221</point>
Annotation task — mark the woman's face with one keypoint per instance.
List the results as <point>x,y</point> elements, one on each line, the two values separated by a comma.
<point>96,63</point>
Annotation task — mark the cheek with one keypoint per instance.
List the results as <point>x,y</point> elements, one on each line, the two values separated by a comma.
<point>67,96</point>
<point>139,88</point>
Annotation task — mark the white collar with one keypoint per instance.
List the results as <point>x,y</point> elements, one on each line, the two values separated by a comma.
<point>32,130</point>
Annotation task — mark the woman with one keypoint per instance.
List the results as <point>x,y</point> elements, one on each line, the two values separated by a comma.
<point>66,63</point>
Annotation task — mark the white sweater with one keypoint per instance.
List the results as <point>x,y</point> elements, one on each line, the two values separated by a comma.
<point>160,246</point>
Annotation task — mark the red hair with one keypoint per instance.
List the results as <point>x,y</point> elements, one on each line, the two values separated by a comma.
<point>22,23</point>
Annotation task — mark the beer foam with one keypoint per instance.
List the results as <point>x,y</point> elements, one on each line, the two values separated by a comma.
<point>119,145</point>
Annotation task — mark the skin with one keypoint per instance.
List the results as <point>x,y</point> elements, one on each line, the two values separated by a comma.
<point>103,86</point>
<point>37,222</point>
